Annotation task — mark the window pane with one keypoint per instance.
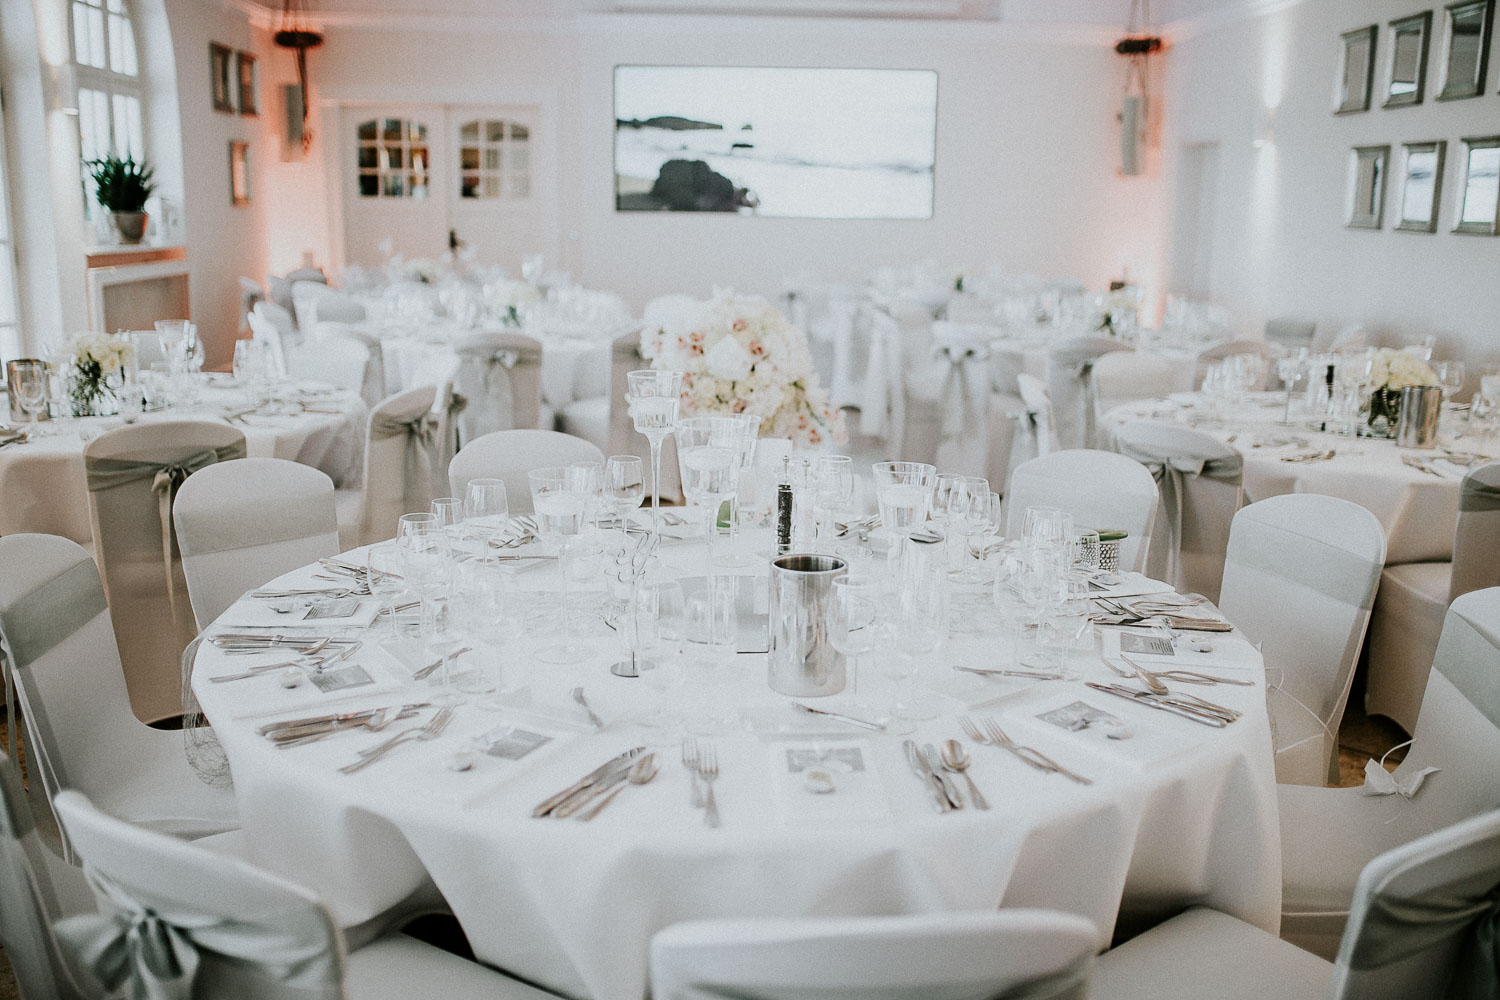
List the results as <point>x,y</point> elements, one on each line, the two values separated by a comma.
<point>122,47</point>
<point>418,186</point>
<point>93,123</point>
<point>83,45</point>
<point>519,132</point>
<point>393,157</point>
<point>115,6</point>
<point>96,37</point>
<point>369,185</point>
<point>519,156</point>
<point>392,130</point>
<point>494,131</point>
<point>367,159</point>
<point>419,133</point>
<point>419,160</point>
<point>468,132</point>
<point>492,187</point>
<point>127,123</point>
<point>520,185</point>
<point>468,186</point>
<point>392,186</point>
<point>468,158</point>
<point>366,130</point>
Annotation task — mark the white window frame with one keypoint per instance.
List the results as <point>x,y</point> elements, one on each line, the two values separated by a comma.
<point>124,92</point>
<point>11,346</point>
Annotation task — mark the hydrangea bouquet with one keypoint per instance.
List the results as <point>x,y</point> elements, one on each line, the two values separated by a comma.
<point>97,358</point>
<point>740,355</point>
<point>1391,371</point>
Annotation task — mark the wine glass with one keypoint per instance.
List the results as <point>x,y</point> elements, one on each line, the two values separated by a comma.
<point>968,514</point>
<point>383,574</point>
<point>624,486</point>
<point>486,512</point>
<point>903,491</point>
<point>173,334</point>
<point>662,611</point>
<point>942,488</point>
<point>1289,369</point>
<point>852,631</point>
<point>1451,377</point>
<point>708,457</point>
<point>835,489</point>
<point>31,392</point>
<point>560,509</point>
<point>653,398</point>
<point>749,428</point>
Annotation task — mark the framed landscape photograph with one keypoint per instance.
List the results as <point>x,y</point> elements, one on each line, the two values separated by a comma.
<point>1356,71</point>
<point>219,58</point>
<point>245,67</point>
<point>1367,168</point>
<point>1407,83</point>
<point>239,173</point>
<point>1466,48</point>
<point>789,143</point>
<point>1479,195</point>
<point>1421,186</point>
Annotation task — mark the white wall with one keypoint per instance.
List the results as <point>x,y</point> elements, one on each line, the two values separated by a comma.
<point>1027,149</point>
<point>1280,242</point>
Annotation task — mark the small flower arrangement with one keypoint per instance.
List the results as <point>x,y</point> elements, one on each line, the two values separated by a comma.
<point>506,298</point>
<point>1117,311</point>
<point>1391,371</point>
<point>98,358</point>
<point>740,355</point>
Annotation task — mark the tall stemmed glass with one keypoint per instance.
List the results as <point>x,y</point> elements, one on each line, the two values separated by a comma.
<point>425,557</point>
<point>560,509</point>
<point>855,599</point>
<point>708,457</point>
<point>653,398</point>
<point>486,512</point>
<point>904,493</point>
<point>31,392</point>
<point>624,487</point>
<point>749,427</point>
<point>835,489</point>
<point>968,513</point>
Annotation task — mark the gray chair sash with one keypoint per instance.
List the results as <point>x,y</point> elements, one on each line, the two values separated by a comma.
<point>166,477</point>
<point>488,372</point>
<point>1476,496</point>
<point>1172,473</point>
<point>1040,988</point>
<point>1318,566</point>
<point>231,525</point>
<point>426,460</point>
<point>154,954</point>
<point>1397,928</point>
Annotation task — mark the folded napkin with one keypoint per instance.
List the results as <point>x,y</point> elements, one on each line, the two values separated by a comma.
<point>1230,652</point>
<point>1132,585</point>
<point>799,766</point>
<point>302,612</point>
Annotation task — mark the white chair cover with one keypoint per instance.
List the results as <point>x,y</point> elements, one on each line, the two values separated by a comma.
<point>1004,955</point>
<point>1099,488</point>
<point>499,376</point>
<point>372,388</point>
<point>882,405</point>
<point>1413,598</point>
<point>58,639</point>
<point>509,455</point>
<point>132,474</point>
<point>625,357</point>
<point>314,302</point>
<point>251,293</point>
<point>1127,376</point>
<point>408,445</point>
<point>1299,580</point>
<point>264,331</point>
<point>1259,348</point>
<point>1032,436</point>
<point>283,320</point>
<point>341,361</point>
<point>960,374</point>
<point>1201,484</point>
<point>243,523</point>
<point>1290,332</point>
<point>1070,385</point>
<point>1329,834</point>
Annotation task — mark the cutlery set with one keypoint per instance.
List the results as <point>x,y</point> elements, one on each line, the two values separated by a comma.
<point>702,763</point>
<point>297,732</point>
<point>993,735</point>
<point>1310,456</point>
<point>431,731</point>
<point>14,435</point>
<point>1185,705</point>
<point>598,781</point>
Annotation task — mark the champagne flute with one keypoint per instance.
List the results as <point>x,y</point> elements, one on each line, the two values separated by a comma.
<point>653,398</point>
<point>749,428</point>
<point>560,510</point>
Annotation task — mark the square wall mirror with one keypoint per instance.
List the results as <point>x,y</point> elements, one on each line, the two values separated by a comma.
<point>1356,71</point>
<point>1421,186</point>
<point>1408,76</point>
<point>1466,48</point>
<point>1479,197</point>
<point>1367,166</point>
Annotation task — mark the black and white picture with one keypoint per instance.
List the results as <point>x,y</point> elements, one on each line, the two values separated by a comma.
<point>805,143</point>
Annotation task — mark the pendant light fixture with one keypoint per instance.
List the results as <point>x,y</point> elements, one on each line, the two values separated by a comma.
<point>293,32</point>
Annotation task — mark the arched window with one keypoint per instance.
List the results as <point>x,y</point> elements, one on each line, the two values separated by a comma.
<point>109,81</point>
<point>393,158</point>
<point>494,159</point>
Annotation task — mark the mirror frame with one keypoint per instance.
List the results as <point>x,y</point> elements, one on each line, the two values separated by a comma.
<point>1492,227</point>
<point>1430,224</point>
<point>1349,104</point>
<point>1421,24</point>
<point>1380,156</point>
<point>1474,86</point>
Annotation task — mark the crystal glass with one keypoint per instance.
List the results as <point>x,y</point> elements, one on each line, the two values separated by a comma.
<point>486,512</point>
<point>653,398</point>
<point>749,435</point>
<point>31,392</point>
<point>560,508</point>
<point>834,479</point>
<point>708,458</point>
<point>174,334</point>
<point>450,515</point>
<point>903,491</point>
<point>587,478</point>
<point>1070,618</point>
<point>1047,527</point>
<point>624,486</point>
<point>384,568</point>
<point>662,613</point>
<point>1451,377</point>
<point>852,631</point>
<point>967,510</point>
<point>942,488</point>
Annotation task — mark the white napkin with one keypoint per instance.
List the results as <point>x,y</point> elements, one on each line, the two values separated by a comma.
<point>1230,652</point>
<point>254,613</point>
<point>858,794</point>
<point>1134,585</point>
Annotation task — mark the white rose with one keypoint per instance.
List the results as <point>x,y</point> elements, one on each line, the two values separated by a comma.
<point>728,359</point>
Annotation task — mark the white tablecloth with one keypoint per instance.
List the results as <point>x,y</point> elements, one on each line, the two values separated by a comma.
<point>1178,814</point>
<point>42,483</point>
<point>1419,510</point>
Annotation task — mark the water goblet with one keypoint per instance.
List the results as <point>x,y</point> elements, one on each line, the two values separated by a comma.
<point>749,434</point>
<point>835,490</point>
<point>31,392</point>
<point>624,486</point>
<point>486,512</point>
<point>967,509</point>
<point>653,398</point>
<point>708,457</point>
<point>560,509</point>
<point>903,490</point>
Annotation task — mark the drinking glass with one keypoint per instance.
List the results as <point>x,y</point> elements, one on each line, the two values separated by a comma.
<point>31,392</point>
<point>383,571</point>
<point>968,514</point>
<point>1451,377</point>
<point>652,398</point>
<point>749,434</point>
<point>173,334</point>
<point>941,490</point>
<point>450,515</point>
<point>708,458</point>
<point>855,599</point>
<point>587,479</point>
<point>663,612</point>
<point>1070,616</point>
<point>560,509</point>
<point>903,491</point>
<point>486,512</point>
<point>624,486</point>
<point>1048,527</point>
<point>835,489</point>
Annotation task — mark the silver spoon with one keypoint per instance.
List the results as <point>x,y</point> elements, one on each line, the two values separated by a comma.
<point>956,759</point>
<point>641,772</point>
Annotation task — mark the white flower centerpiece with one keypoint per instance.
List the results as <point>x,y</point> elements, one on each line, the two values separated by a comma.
<point>739,354</point>
<point>1391,371</point>
<point>98,361</point>
<point>505,298</point>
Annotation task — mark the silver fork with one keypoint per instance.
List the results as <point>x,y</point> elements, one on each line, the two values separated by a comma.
<point>690,761</point>
<point>998,734</point>
<point>432,730</point>
<point>708,767</point>
<point>972,731</point>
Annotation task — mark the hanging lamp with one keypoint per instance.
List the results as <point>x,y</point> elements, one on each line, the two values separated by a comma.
<point>1137,47</point>
<point>293,32</point>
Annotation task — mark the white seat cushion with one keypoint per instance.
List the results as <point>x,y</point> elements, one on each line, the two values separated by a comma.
<point>1203,953</point>
<point>588,419</point>
<point>402,968</point>
<point>1404,631</point>
<point>349,508</point>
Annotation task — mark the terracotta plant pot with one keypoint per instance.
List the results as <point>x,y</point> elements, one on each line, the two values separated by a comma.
<point>131,225</point>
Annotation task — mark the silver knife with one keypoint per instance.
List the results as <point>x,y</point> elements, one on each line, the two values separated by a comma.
<point>861,723</point>
<point>1035,675</point>
<point>926,776</point>
<point>935,765</point>
<point>1136,696</point>
<point>603,770</point>
<point>587,795</point>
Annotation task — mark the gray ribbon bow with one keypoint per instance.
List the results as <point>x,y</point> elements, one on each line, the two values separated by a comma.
<point>420,469</point>
<point>1396,928</point>
<point>1039,988</point>
<point>1172,473</point>
<point>151,954</point>
<point>1475,495</point>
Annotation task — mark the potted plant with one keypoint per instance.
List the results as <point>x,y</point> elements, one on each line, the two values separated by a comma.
<point>122,187</point>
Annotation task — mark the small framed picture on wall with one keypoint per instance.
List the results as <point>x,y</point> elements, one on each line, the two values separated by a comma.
<point>239,173</point>
<point>245,64</point>
<point>219,58</point>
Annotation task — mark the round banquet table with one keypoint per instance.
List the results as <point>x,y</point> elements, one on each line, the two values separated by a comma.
<point>42,482</point>
<point>1418,509</point>
<point>1178,814</point>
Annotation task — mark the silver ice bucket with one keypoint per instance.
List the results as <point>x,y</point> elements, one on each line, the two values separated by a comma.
<point>1421,409</point>
<point>802,659</point>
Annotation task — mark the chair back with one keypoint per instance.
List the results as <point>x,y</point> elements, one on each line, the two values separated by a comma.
<point>1300,576</point>
<point>1126,376</point>
<point>1477,538</point>
<point>243,523</point>
<point>251,293</point>
<point>30,903</point>
<point>949,395</point>
<point>264,331</point>
<point>625,357</point>
<point>314,302</point>
<point>1290,332</point>
<point>1070,385</point>
<point>191,922</point>
<point>509,455</point>
<point>1200,480</point>
<point>282,318</point>
<point>499,376</point>
<point>372,387</point>
<point>1033,435</point>
<point>148,349</point>
<point>339,361</point>
<point>408,444</point>
<point>1424,917</point>
<point>1099,488</point>
<point>1218,352</point>
<point>1031,954</point>
<point>133,473</point>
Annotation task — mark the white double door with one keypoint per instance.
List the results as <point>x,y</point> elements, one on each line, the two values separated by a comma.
<point>419,175</point>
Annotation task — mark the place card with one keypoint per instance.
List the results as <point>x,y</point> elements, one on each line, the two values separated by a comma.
<point>346,607</point>
<point>828,783</point>
<point>509,743</point>
<point>1151,645</point>
<point>1080,716</point>
<point>1225,650</point>
<point>340,678</point>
